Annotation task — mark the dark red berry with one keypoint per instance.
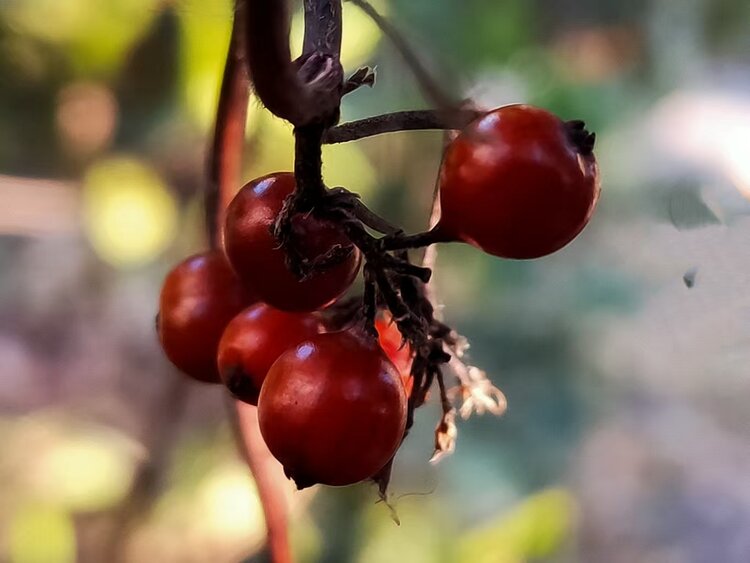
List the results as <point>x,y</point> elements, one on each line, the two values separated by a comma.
<point>260,262</point>
<point>333,410</point>
<point>199,297</point>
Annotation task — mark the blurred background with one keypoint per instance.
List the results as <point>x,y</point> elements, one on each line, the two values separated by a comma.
<point>623,357</point>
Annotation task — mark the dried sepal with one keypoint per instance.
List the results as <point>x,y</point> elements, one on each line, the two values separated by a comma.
<point>445,436</point>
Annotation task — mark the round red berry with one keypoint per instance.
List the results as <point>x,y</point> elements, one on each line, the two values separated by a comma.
<point>260,262</point>
<point>199,297</point>
<point>518,183</point>
<point>333,410</point>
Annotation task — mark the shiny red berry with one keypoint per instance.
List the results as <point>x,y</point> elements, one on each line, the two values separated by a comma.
<point>252,342</point>
<point>518,183</point>
<point>333,410</point>
<point>261,264</point>
<point>199,297</point>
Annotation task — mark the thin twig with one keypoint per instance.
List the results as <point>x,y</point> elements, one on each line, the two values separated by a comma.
<point>433,91</point>
<point>400,121</point>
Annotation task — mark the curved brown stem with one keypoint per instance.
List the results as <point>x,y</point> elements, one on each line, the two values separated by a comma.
<point>305,91</point>
<point>269,60</point>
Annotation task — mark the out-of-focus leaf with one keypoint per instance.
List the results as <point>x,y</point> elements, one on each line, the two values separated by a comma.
<point>421,538</point>
<point>94,35</point>
<point>306,539</point>
<point>229,503</point>
<point>205,39</point>
<point>535,529</point>
<point>146,85</point>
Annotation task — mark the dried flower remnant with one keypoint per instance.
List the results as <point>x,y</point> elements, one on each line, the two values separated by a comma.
<point>476,391</point>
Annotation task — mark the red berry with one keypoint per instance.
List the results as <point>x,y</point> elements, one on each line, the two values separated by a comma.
<point>518,183</point>
<point>256,257</point>
<point>398,351</point>
<point>199,297</point>
<point>252,342</point>
<point>333,410</point>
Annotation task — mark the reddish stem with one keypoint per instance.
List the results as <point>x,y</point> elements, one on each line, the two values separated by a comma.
<point>269,480</point>
<point>225,157</point>
<point>225,176</point>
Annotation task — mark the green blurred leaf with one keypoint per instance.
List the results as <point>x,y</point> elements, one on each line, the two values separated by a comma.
<point>422,537</point>
<point>205,40</point>
<point>536,528</point>
<point>94,35</point>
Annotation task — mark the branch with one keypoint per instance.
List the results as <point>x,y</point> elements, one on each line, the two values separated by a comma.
<point>400,121</point>
<point>433,91</point>
<point>225,156</point>
<point>305,91</point>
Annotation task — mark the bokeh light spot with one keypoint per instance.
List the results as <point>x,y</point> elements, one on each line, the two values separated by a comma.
<point>86,116</point>
<point>130,215</point>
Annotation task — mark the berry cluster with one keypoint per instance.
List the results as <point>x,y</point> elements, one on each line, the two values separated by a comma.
<point>336,380</point>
